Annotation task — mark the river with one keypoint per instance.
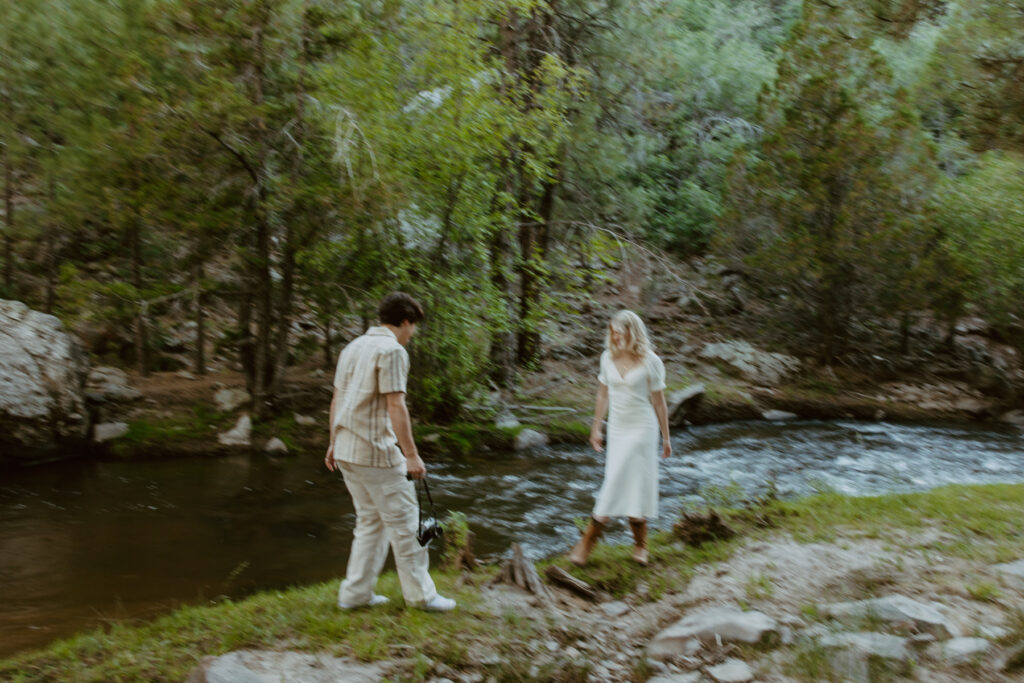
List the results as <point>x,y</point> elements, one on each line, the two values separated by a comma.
<point>83,542</point>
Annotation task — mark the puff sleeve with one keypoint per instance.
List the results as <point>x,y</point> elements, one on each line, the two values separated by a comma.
<point>656,372</point>
<point>602,375</point>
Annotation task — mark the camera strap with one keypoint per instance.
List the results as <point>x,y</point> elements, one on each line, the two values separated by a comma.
<point>419,503</point>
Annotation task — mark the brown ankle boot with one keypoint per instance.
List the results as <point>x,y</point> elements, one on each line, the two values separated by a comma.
<point>581,552</point>
<point>639,527</point>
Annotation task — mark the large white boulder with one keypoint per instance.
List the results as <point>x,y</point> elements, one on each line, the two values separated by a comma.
<point>42,379</point>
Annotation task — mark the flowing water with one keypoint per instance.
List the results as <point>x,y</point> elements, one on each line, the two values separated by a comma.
<point>83,542</point>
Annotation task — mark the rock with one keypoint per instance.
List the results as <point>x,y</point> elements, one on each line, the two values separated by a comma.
<point>506,420</point>
<point>856,656</point>
<point>110,384</point>
<point>265,666</point>
<point>1012,570</point>
<point>108,431</point>
<point>778,415</point>
<point>992,632</point>
<point>239,435</point>
<point>530,438</point>
<point>614,609</point>
<point>688,677</point>
<point>184,374</point>
<point>684,402</point>
<point>896,608</point>
<point>1014,417</point>
<point>276,447</point>
<point>304,420</point>
<point>757,366</point>
<point>727,624</point>
<point>731,671</point>
<point>42,384</point>
<point>228,400</point>
<point>973,406</point>
<point>960,650</point>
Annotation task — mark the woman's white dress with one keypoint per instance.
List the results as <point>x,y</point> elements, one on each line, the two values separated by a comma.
<point>630,485</point>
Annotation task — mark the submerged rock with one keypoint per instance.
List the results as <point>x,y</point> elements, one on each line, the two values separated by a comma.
<point>42,385</point>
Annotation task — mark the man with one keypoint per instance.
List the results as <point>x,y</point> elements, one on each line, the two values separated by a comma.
<point>372,446</point>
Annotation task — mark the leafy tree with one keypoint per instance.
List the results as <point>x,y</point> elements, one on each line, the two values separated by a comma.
<point>832,204</point>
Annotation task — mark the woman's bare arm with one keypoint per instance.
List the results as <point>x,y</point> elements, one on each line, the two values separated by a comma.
<point>661,410</point>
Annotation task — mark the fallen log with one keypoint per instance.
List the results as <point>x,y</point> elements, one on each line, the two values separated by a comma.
<point>560,577</point>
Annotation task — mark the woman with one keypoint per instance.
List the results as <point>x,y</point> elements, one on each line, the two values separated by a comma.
<point>632,382</point>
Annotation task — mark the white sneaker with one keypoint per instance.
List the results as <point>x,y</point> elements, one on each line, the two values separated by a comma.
<point>375,601</point>
<point>438,604</point>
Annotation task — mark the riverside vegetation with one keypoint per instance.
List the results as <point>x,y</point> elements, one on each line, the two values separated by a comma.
<point>938,545</point>
<point>233,184</point>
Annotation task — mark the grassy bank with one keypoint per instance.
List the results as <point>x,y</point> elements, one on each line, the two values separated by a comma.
<point>980,523</point>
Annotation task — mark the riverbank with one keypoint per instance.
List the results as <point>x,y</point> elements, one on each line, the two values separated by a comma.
<point>787,560</point>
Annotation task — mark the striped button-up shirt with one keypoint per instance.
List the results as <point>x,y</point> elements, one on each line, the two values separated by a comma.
<point>370,367</point>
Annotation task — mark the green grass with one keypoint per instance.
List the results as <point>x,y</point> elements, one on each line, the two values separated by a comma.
<point>979,522</point>
<point>168,648</point>
<point>143,434</point>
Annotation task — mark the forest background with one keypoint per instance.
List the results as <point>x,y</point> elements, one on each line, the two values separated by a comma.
<point>272,165</point>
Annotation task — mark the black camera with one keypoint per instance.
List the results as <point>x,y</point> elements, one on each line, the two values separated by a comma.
<point>428,530</point>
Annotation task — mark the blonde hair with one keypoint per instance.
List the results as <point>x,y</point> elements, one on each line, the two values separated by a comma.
<point>628,323</point>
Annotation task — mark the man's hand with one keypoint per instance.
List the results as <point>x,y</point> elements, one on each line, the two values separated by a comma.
<point>329,458</point>
<point>414,467</point>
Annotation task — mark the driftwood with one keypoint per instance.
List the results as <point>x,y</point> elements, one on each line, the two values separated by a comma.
<point>521,572</point>
<point>559,576</point>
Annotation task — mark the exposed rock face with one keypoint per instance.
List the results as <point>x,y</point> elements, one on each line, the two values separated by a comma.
<point>42,378</point>
<point>684,402</point>
<point>753,364</point>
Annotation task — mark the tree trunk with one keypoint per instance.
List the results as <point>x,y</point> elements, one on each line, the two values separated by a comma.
<point>141,327</point>
<point>286,300</point>
<point>905,333</point>
<point>8,218</point>
<point>51,244</point>
<point>527,337</point>
<point>328,353</point>
<point>199,364</point>
<point>262,377</point>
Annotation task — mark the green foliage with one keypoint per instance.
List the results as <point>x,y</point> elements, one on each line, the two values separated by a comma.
<point>982,216</point>
<point>832,205</point>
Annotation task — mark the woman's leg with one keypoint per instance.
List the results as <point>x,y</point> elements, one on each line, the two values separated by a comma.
<point>581,551</point>
<point>639,528</point>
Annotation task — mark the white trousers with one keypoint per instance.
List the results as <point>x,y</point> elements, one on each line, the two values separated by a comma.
<point>386,513</point>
